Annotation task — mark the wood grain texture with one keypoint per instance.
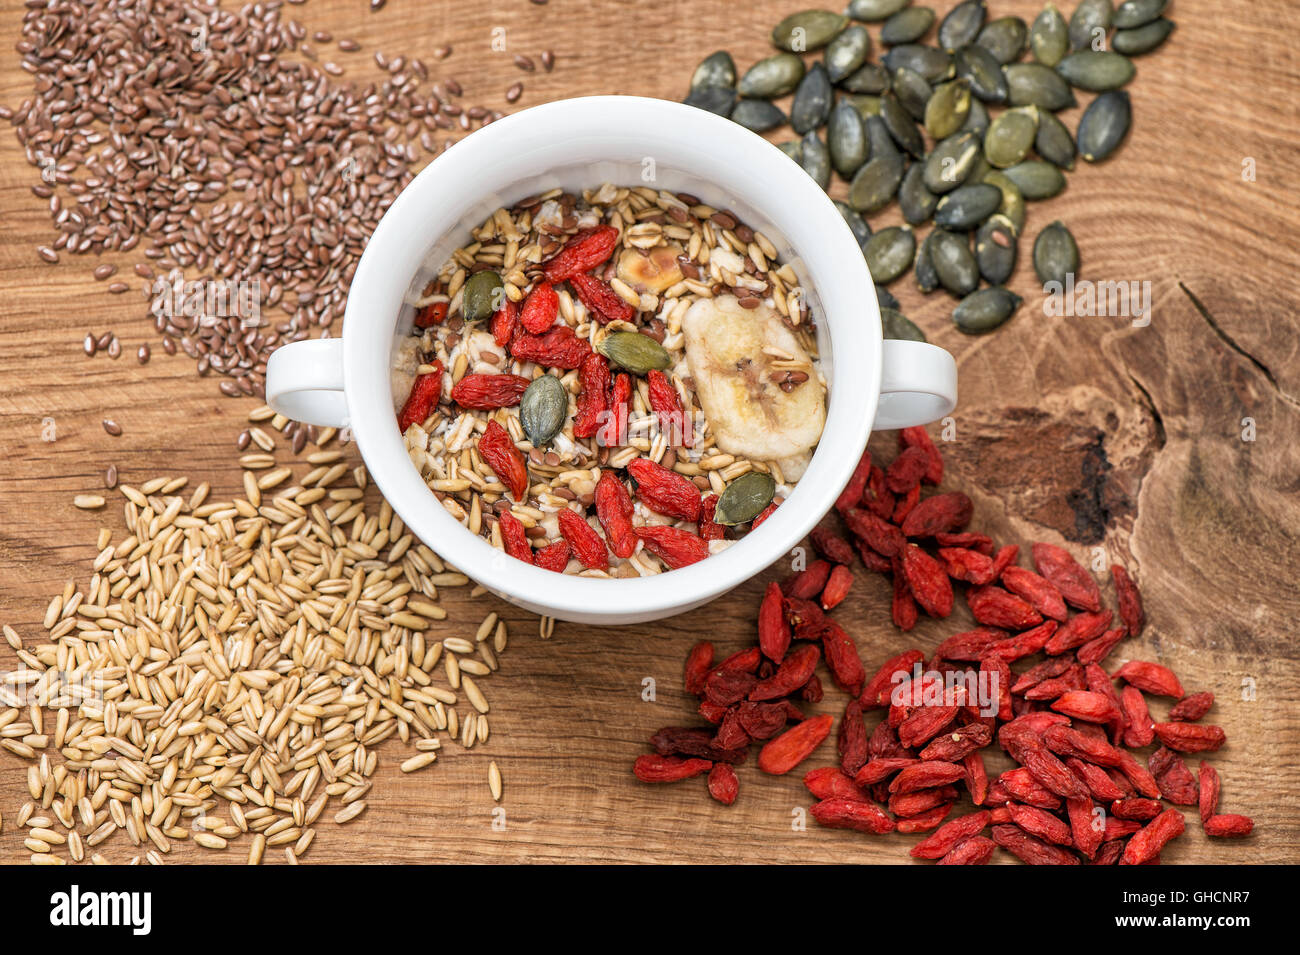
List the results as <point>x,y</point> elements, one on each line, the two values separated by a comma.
<point>1082,430</point>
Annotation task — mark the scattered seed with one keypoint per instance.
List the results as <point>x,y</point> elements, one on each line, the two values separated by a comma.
<point>112,427</point>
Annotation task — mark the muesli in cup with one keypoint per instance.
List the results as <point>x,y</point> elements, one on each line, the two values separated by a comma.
<point>611,384</point>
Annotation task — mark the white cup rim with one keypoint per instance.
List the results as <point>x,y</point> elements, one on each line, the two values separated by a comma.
<point>794,203</point>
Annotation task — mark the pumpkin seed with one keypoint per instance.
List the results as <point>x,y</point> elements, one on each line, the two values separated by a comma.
<point>912,90</point>
<point>812,100</point>
<point>1032,84</point>
<point>1137,13</point>
<point>901,126</point>
<point>1013,201</point>
<point>948,108</point>
<point>996,248</point>
<point>807,30</point>
<point>914,200</point>
<point>635,352</point>
<point>714,99</point>
<point>792,148</point>
<point>871,11</point>
<point>1011,136</point>
<point>847,140</point>
<point>967,206</point>
<point>886,298</point>
<point>744,498</point>
<point>483,294</point>
<point>1096,70</point>
<point>815,159</point>
<point>1049,37</point>
<point>1142,39</point>
<point>1104,125</point>
<point>1056,254</point>
<point>1004,38</point>
<point>982,70</point>
<point>772,77</point>
<point>985,309</point>
<point>1036,179</point>
<point>869,78</point>
<point>543,409</point>
<point>962,24</point>
<point>932,63</point>
<point>978,120</point>
<point>865,104</point>
<point>758,115</point>
<point>898,326</point>
<point>1054,142</point>
<point>953,262</point>
<point>951,161</point>
<point>889,253</point>
<point>927,279</point>
<point>716,69</point>
<point>857,225</point>
<point>907,26</point>
<point>1089,23</point>
<point>847,52</point>
<point>879,142</point>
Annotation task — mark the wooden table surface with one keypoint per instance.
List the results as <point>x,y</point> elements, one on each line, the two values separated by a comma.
<point>1129,444</point>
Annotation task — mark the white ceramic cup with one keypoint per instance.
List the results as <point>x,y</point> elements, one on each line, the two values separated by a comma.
<point>579,144</point>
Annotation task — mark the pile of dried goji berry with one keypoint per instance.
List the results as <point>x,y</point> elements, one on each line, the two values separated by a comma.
<point>1078,793</point>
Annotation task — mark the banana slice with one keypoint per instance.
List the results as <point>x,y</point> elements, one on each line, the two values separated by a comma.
<point>740,390</point>
<point>653,270</point>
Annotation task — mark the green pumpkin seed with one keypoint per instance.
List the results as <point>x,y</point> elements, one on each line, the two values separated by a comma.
<point>846,138</point>
<point>1032,84</point>
<point>966,207</point>
<point>1104,125</point>
<point>847,52</point>
<point>716,69</point>
<point>886,298</point>
<point>869,78</point>
<point>914,200</point>
<point>871,11</point>
<point>953,262</point>
<point>714,99</point>
<point>1137,13</point>
<point>927,279</point>
<point>879,142</point>
<point>1036,179</point>
<point>1012,207</point>
<point>816,159</point>
<point>889,253</point>
<point>962,24</point>
<point>635,352</point>
<point>1049,37</point>
<point>912,90</point>
<point>792,148</point>
<point>1005,38</point>
<point>951,162</point>
<point>772,77</point>
<point>483,294</point>
<point>982,70</point>
<point>899,327</point>
<point>812,100</point>
<point>1089,23</point>
<point>744,498</point>
<point>1056,254</point>
<point>977,121</point>
<point>1142,39</point>
<point>932,63</point>
<point>1054,142</point>
<point>1096,71</point>
<point>985,309</point>
<point>543,409</point>
<point>865,104</point>
<point>807,30</point>
<point>907,26</point>
<point>1011,136</point>
<point>857,225</point>
<point>947,109</point>
<point>758,115</point>
<point>901,126</point>
<point>995,249</point>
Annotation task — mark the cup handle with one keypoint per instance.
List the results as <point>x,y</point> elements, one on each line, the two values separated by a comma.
<point>918,385</point>
<point>304,381</point>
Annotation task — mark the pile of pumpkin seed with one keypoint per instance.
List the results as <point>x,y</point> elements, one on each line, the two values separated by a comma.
<point>961,130</point>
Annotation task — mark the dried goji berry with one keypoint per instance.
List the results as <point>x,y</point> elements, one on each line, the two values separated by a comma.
<point>918,437</point>
<point>1191,708</point>
<point>707,528</point>
<point>667,406</point>
<point>805,617</point>
<point>723,784</point>
<point>713,712</point>
<point>1075,584</point>
<point>1065,741</point>
<point>432,314</point>
<point>1190,737</point>
<point>675,547</point>
<point>852,739</point>
<point>837,586</point>
<point>969,645</point>
<point>1228,826</point>
<point>1135,807</point>
<point>1086,705</point>
<point>1086,828</point>
<point>958,742</point>
<point>829,782</point>
<point>924,821</point>
<point>614,511</point>
<point>852,493</point>
<point>613,432</point>
<point>762,720</point>
<point>841,813</point>
<point>1040,592</point>
<point>1153,837</point>
<point>880,768</point>
<point>1109,853</point>
<point>497,449</point>
<point>1029,849</point>
<point>794,671</point>
<point>809,582</point>
<point>665,491</point>
<point>884,538</point>
<point>1098,648</point>
<point>904,505</point>
<point>584,251</point>
<point>1078,630</point>
<point>979,542</point>
<point>423,398</point>
<point>974,851</point>
<point>1050,771</point>
<point>831,546</point>
<point>588,546</point>
<point>1137,774</point>
<point>876,497</point>
<point>693,741</point>
<point>653,768</point>
<point>996,607</point>
<point>1098,781</point>
<point>505,322</point>
<point>794,745</point>
<point>842,658</point>
<point>1208,790</point>
<point>927,581</point>
<point>1021,785</point>
<point>870,559</point>
<point>926,775</point>
<point>966,564</point>
<point>773,629</point>
<point>1130,600</point>
<point>946,838</point>
<point>1150,678</point>
<point>513,538</point>
<point>726,686</point>
<point>540,308</point>
<point>902,606</point>
<point>878,688</point>
<point>763,515</point>
<point>554,556</point>
<point>1004,558</point>
<point>811,691</point>
<point>977,777</point>
<point>1046,670</point>
<point>1023,644</point>
<point>924,723</point>
<point>731,735</point>
<point>941,513</point>
<point>593,396</point>
<point>603,303</point>
<point>698,663</point>
<point>559,347</point>
<point>906,470</point>
<point>488,392</point>
<point>1040,823</point>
